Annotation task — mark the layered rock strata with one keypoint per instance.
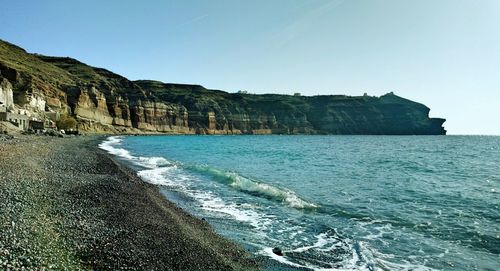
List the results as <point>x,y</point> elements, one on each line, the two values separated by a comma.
<point>104,101</point>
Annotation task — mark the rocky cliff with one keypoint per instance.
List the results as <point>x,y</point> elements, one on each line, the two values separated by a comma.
<point>6,95</point>
<point>104,101</point>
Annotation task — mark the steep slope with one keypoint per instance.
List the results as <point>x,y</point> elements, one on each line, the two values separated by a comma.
<point>100,99</point>
<point>34,81</point>
<point>215,111</point>
<point>110,99</point>
<point>104,101</point>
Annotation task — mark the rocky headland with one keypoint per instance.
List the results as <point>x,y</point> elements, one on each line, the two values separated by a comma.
<point>102,101</point>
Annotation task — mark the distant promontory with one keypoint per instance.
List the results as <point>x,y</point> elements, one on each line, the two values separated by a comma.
<point>42,89</point>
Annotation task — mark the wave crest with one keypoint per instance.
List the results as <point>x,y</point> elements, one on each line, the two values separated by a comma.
<point>233,179</point>
<point>110,145</point>
<point>256,188</point>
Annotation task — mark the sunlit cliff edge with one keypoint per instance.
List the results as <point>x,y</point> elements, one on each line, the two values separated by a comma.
<point>43,87</point>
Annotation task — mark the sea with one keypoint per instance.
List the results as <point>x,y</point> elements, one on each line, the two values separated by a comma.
<point>300,202</point>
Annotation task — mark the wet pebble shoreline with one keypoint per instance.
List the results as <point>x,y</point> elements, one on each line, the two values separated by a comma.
<point>66,205</point>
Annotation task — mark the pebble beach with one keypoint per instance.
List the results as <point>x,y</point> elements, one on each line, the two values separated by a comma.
<point>67,205</point>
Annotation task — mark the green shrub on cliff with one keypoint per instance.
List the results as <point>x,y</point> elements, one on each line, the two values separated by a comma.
<point>66,122</point>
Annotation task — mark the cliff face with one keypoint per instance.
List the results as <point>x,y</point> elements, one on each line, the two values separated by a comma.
<point>213,111</point>
<point>6,96</point>
<point>102,100</point>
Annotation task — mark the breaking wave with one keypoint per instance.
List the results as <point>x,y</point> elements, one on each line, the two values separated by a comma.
<point>160,171</point>
<point>256,188</point>
<point>233,179</point>
<point>110,145</point>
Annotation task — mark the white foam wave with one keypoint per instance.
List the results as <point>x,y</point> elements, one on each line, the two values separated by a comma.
<point>282,259</point>
<point>173,177</point>
<point>160,171</point>
<point>268,251</point>
<point>253,187</point>
<point>325,243</point>
<point>388,265</point>
<point>153,162</point>
<point>289,197</point>
<point>111,145</point>
<point>159,176</point>
<point>322,240</point>
<point>211,203</point>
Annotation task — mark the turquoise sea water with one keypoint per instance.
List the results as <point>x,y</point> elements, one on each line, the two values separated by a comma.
<point>336,202</point>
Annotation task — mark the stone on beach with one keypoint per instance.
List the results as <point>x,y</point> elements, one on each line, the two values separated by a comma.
<point>67,205</point>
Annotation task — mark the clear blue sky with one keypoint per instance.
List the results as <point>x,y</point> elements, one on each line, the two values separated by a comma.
<point>443,53</point>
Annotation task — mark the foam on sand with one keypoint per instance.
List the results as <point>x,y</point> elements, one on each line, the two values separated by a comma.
<point>112,143</point>
<point>160,171</point>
